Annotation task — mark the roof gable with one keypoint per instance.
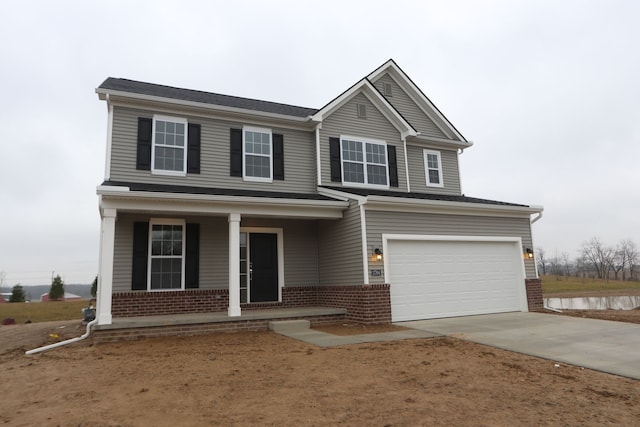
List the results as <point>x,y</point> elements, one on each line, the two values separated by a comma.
<point>392,69</point>
<point>366,88</point>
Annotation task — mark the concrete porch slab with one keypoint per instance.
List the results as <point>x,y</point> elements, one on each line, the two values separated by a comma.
<point>219,317</point>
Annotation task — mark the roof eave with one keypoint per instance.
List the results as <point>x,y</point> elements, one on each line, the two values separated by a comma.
<point>115,94</point>
<point>123,199</point>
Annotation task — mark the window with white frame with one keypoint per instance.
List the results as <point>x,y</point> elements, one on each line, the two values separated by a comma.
<point>364,161</point>
<point>166,254</point>
<point>169,145</point>
<point>433,168</point>
<point>257,151</point>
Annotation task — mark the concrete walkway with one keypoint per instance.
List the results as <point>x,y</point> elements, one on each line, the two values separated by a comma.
<point>611,347</point>
<point>299,330</point>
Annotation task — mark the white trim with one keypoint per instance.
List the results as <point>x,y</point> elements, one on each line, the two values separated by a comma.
<point>318,158</point>
<point>364,142</point>
<point>517,248</point>
<point>174,120</point>
<point>135,201</point>
<point>107,158</point>
<point>406,164</point>
<point>280,242</point>
<point>234,265</point>
<point>150,257</point>
<point>363,233</point>
<point>105,266</point>
<point>425,141</point>
<point>425,154</point>
<point>255,129</point>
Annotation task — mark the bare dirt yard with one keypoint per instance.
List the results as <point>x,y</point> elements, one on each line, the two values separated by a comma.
<point>261,378</point>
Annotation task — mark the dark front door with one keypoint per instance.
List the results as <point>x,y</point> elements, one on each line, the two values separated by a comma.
<point>263,254</point>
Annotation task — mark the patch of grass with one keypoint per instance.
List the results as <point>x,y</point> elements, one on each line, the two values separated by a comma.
<point>557,284</point>
<point>43,311</point>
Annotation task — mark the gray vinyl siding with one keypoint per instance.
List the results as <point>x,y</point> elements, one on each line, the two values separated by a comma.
<point>299,241</point>
<point>344,121</point>
<point>340,249</point>
<point>379,223</point>
<point>299,155</point>
<point>409,110</point>
<point>417,171</point>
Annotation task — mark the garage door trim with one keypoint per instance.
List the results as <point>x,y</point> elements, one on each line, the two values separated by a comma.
<point>516,244</point>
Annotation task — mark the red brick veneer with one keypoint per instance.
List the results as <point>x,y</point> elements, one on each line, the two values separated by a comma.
<point>534,294</point>
<point>364,303</point>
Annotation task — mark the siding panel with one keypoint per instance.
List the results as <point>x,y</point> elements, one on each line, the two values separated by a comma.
<point>456,225</point>
<point>451,176</point>
<point>340,249</point>
<point>299,156</point>
<point>344,121</point>
<point>409,110</point>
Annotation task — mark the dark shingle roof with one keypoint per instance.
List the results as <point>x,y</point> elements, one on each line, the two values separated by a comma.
<point>423,196</point>
<point>183,189</point>
<point>125,85</point>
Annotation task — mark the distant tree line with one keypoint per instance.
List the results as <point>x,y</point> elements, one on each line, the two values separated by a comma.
<point>595,260</point>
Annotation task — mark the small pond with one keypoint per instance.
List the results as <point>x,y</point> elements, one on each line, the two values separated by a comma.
<point>594,303</point>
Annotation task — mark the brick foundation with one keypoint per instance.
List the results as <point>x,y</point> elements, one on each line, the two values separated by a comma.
<point>534,294</point>
<point>364,303</point>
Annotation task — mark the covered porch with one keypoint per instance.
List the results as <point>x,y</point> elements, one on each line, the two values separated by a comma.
<point>222,220</point>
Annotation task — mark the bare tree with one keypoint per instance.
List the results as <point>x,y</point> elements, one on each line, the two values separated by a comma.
<point>631,255</point>
<point>542,260</point>
<point>618,262</point>
<point>599,256</point>
<point>566,264</point>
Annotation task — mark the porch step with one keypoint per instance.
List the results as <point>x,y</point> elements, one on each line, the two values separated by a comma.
<point>296,325</point>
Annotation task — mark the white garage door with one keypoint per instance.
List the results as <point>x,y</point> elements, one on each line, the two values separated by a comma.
<point>442,278</point>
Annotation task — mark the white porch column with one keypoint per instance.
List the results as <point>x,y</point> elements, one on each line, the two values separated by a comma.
<point>234,264</point>
<point>105,266</point>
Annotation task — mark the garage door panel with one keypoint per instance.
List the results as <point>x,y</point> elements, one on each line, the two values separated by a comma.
<point>431,279</point>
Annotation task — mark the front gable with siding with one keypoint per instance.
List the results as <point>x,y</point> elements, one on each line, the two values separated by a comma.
<point>213,203</point>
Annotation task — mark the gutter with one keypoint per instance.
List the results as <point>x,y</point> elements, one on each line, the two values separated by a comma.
<point>61,343</point>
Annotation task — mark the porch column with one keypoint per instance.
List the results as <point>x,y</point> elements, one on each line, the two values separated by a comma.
<point>234,265</point>
<point>105,266</point>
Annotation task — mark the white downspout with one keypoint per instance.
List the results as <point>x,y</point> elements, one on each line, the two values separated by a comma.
<point>537,218</point>
<point>318,163</point>
<point>406,163</point>
<point>61,343</point>
<point>107,160</point>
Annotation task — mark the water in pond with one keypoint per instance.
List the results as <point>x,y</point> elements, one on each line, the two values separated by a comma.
<point>594,303</point>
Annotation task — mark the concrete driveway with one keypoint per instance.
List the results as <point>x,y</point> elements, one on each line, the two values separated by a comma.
<point>612,347</point>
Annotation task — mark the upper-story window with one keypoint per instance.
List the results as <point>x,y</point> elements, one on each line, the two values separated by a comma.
<point>433,168</point>
<point>364,161</point>
<point>257,153</point>
<point>169,155</point>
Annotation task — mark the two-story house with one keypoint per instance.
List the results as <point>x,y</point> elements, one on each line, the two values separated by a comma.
<point>219,204</point>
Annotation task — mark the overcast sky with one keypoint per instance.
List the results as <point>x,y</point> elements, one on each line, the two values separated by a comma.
<point>548,91</point>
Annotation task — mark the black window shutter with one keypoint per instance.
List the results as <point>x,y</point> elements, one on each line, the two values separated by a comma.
<point>140,256</point>
<point>393,165</point>
<point>278,157</point>
<point>193,149</point>
<point>143,154</point>
<point>334,158</point>
<point>236,152</point>
<point>192,262</point>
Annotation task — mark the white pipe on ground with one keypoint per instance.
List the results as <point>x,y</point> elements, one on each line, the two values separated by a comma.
<point>61,343</point>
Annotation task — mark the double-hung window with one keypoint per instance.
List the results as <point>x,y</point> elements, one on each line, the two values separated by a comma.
<point>169,154</point>
<point>257,151</point>
<point>433,168</point>
<point>364,161</point>
<point>166,253</point>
